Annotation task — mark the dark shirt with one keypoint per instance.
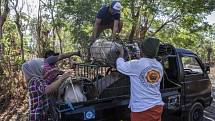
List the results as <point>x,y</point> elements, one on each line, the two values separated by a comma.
<point>106,16</point>
<point>50,72</point>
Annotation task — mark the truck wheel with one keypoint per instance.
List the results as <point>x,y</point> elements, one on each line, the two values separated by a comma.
<point>196,112</point>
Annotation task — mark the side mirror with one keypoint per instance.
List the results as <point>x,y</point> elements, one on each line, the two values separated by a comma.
<point>207,68</point>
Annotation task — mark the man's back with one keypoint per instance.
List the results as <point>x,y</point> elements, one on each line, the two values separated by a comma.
<point>106,16</point>
<point>145,76</point>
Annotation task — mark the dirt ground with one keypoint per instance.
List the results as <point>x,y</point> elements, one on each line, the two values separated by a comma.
<point>15,108</point>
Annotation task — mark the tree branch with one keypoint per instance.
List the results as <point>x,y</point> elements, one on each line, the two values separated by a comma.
<point>164,24</point>
<point>150,23</point>
<point>171,18</point>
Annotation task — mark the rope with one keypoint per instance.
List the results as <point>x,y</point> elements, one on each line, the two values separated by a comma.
<point>74,90</point>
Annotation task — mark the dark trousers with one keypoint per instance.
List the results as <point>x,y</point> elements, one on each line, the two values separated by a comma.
<point>101,28</point>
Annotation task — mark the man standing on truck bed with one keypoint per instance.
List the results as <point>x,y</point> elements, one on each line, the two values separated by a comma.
<point>145,76</point>
<point>108,17</point>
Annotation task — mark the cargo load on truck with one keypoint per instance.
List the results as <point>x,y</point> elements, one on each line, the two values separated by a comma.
<point>100,81</point>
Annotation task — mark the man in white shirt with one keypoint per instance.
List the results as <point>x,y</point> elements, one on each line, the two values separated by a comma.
<point>145,76</point>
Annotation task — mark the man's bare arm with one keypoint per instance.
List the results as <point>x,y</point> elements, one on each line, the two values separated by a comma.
<point>96,27</point>
<point>54,59</point>
<point>53,86</point>
<point>67,55</point>
<point>115,27</point>
<point>121,52</point>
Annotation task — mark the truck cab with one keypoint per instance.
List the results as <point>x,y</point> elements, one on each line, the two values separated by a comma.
<point>186,69</point>
<point>185,89</point>
<point>196,85</point>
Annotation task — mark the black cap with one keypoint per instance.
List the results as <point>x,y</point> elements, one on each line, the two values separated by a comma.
<point>50,53</point>
<point>150,47</point>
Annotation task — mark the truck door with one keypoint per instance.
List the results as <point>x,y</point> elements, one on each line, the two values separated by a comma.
<point>195,81</point>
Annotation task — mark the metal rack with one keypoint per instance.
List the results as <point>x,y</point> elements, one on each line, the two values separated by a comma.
<point>106,82</point>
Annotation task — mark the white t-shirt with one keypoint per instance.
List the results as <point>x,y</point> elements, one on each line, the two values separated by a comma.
<point>145,77</point>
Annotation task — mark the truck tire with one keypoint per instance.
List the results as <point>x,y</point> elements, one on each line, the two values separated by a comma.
<point>196,112</point>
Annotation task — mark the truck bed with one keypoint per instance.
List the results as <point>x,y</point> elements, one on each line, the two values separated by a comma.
<point>115,106</point>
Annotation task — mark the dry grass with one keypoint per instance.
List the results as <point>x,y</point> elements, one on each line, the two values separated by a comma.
<point>13,100</point>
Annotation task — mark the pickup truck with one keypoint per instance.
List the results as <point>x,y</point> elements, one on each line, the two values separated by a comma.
<point>185,89</point>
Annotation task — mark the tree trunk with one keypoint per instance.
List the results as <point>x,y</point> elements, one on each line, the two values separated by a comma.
<point>3,17</point>
<point>19,27</point>
<point>53,38</point>
<point>22,47</point>
<point>209,49</point>
<point>60,40</point>
<point>39,21</point>
<point>143,31</point>
<point>144,28</point>
<point>54,25</point>
<point>134,23</point>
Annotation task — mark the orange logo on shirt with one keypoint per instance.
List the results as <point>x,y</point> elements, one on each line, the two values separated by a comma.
<point>152,76</point>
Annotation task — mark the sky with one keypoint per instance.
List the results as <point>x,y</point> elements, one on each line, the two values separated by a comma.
<point>211,18</point>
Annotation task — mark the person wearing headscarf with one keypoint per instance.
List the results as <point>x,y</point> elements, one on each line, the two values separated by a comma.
<point>38,88</point>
